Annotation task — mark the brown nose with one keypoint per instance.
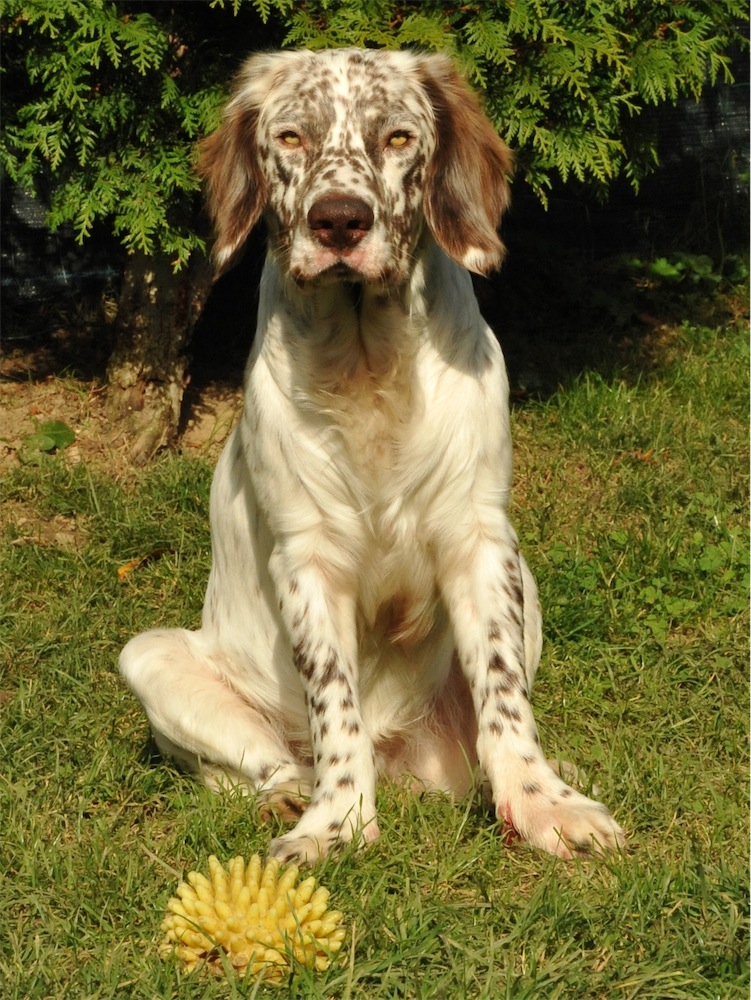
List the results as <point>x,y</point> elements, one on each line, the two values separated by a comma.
<point>340,223</point>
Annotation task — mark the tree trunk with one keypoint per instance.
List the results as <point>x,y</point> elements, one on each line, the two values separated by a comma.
<point>147,371</point>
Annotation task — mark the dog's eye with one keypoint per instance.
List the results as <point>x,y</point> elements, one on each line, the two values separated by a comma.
<point>290,138</point>
<point>399,138</point>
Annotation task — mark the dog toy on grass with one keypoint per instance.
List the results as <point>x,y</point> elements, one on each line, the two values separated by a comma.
<point>253,917</point>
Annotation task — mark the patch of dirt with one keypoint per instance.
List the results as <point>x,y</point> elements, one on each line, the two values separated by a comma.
<point>23,526</point>
<point>29,397</point>
<point>210,412</point>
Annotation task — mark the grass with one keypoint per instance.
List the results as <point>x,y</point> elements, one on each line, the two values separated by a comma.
<point>631,504</point>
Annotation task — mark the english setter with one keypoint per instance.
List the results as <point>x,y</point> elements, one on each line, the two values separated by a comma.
<point>368,612</point>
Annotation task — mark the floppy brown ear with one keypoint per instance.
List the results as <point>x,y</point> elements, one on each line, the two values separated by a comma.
<point>235,188</point>
<point>466,188</point>
<point>229,162</point>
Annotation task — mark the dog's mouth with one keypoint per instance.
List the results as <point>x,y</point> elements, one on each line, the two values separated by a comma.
<point>342,271</point>
<point>338,273</point>
<point>352,267</point>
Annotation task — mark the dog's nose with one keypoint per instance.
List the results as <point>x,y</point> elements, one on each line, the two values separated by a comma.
<point>339,223</point>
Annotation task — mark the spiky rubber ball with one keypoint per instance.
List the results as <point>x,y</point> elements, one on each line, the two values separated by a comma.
<point>254,918</point>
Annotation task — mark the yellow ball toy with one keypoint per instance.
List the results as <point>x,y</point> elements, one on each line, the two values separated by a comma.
<point>253,918</point>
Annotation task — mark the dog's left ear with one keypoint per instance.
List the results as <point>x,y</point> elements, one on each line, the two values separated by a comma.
<point>467,186</point>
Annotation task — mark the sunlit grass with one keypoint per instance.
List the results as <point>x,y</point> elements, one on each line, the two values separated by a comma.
<point>631,505</point>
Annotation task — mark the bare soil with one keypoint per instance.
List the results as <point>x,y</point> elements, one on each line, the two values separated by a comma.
<point>36,385</point>
<point>58,373</point>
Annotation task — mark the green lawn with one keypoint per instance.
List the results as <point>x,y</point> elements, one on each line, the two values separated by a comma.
<point>631,505</point>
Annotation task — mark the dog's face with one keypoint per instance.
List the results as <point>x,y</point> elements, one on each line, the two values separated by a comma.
<point>344,142</point>
<point>349,153</point>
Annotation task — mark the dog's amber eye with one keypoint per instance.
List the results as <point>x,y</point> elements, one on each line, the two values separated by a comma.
<point>399,138</point>
<point>290,138</point>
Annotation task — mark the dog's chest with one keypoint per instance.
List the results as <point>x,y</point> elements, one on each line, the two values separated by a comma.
<point>371,421</point>
<point>372,409</point>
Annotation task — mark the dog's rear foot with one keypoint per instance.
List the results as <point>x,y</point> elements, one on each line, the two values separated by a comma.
<point>287,800</point>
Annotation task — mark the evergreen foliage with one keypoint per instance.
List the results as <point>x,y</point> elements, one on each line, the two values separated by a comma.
<point>103,101</point>
<point>564,82</point>
<point>102,106</point>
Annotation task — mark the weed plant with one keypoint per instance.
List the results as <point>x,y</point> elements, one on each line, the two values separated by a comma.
<point>631,503</point>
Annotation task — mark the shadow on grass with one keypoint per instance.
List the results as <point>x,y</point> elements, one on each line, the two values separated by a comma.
<point>584,288</point>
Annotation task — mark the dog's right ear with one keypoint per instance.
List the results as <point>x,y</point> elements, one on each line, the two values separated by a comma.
<point>235,188</point>
<point>229,161</point>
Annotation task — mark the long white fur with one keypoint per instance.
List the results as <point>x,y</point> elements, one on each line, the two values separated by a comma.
<point>360,536</point>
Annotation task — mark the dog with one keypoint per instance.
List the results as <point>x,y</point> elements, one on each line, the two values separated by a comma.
<point>368,612</point>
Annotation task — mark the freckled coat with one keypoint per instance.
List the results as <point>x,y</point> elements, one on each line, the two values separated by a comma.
<point>368,611</point>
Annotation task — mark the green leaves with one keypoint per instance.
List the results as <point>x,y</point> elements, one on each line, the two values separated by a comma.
<point>49,437</point>
<point>104,101</point>
<point>109,112</point>
<point>563,81</point>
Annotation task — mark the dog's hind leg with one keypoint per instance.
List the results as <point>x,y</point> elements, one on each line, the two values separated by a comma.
<point>203,723</point>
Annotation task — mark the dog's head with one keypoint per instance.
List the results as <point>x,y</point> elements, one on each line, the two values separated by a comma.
<point>349,153</point>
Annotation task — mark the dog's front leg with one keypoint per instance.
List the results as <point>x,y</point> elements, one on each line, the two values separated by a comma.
<point>483,590</point>
<point>321,627</point>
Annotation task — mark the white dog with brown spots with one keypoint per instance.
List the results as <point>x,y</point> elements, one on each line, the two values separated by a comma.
<point>368,612</point>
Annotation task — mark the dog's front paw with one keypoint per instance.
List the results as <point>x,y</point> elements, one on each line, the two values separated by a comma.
<point>562,821</point>
<point>311,840</point>
<point>300,850</point>
<point>575,827</point>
